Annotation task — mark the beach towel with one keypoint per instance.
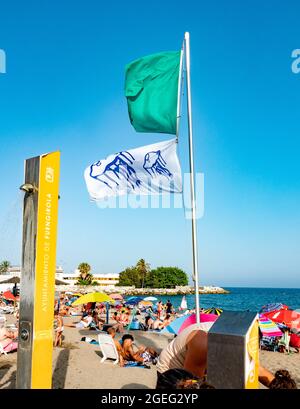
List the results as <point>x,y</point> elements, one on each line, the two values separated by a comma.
<point>135,364</point>
<point>295,341</point>
<point>89,340</point>
<point>11,347</point>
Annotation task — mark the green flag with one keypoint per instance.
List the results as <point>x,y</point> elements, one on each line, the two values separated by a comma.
<point>151,89</point>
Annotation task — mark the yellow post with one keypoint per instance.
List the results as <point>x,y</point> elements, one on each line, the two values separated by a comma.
<point>45,272</point>
<point>38,272</point>
<point>252,357</point>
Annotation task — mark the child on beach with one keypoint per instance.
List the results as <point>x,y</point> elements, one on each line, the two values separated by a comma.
<point>58,329</point>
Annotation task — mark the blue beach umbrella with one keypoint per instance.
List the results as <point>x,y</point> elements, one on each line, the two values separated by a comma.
<point>273,307</point>
<point>133,300</point>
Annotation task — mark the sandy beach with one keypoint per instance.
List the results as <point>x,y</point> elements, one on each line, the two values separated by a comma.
<point>77,365</point>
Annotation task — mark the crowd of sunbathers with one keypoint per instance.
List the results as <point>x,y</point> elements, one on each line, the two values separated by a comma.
<point>94,315</point>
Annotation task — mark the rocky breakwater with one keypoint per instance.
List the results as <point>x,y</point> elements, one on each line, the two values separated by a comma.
<point>173,291</point>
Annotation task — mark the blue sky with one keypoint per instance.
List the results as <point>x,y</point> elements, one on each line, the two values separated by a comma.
<point>63,90</point>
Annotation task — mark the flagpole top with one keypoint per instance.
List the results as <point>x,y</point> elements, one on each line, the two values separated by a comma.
<point>187,35</point>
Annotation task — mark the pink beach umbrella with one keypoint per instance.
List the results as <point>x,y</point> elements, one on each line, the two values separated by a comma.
<point>116,296</point>
<point>179,324</point>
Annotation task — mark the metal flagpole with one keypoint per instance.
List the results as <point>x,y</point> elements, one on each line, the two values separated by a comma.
<point>180,81</point>
<point>192,178</point>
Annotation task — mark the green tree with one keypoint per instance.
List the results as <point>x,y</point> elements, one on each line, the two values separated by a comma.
<point>143,269</point>
<point>4,266</point>
<point>85,278</point>
<point>166,277</point>
<point>130,276</point>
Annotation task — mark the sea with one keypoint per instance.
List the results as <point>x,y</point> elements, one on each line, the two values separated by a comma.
<point>242,299</point>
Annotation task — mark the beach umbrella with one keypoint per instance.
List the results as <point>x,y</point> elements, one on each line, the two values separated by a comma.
<point>8,295</point>
<point>213,310</point>
<point>12,280</point>
<point>267,327</point>
<point>150,299</point>
<point>133,300</point>
<point>119,302</point>
<point>273,307</point>
<point>93,297</point>
<point>289,318</point>
<point>60,282</point>
<point>145,303</point>
<point>179,324</point>
<point>116,296</point>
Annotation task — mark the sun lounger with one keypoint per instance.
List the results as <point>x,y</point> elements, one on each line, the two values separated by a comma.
<point>2,351</point>
<point>108,348</point>
<point>7,310</point>
<point>2,320</point>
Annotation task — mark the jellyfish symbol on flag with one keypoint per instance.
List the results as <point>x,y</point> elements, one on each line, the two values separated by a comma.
<point>155,164</point>
<point>116,170</point>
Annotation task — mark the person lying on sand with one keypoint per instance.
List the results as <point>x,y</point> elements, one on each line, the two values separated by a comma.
<point>84,323</point>
<point>7,336</point>
<point>189,351</point>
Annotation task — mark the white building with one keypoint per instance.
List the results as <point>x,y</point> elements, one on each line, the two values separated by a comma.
<point>15,271</point>
<point>108,281</point>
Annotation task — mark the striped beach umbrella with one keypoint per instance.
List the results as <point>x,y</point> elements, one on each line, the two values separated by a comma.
<point>116,296</point>
<point>213,310</point>
<point>267,327</point>
<point>179,324</point>
<point>273,307</point>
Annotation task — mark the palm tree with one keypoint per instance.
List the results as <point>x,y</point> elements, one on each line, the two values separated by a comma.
<point>85,277</point>
<point>4,266</point>
<point>143,268</point>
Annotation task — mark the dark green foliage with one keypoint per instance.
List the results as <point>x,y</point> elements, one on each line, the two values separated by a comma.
<point>161,277</point>
<point>166,277</point>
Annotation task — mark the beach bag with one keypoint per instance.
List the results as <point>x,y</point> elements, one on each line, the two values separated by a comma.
<point>295,341</point>
<point>135,325</point>
<point>143,327</point>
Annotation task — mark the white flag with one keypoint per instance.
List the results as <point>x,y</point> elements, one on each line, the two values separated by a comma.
<point>151,169</point>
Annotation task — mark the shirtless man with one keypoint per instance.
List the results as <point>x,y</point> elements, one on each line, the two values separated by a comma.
<point>127,349</point>
<point>189,351</point>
